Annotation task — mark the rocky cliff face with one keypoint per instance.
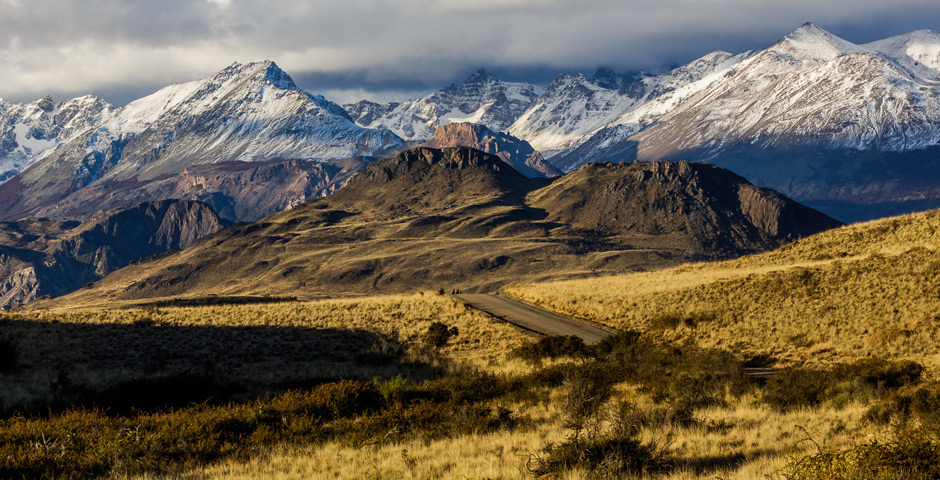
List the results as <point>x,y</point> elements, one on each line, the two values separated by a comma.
<point>45,257</point>
<point>511,150</point>
<point>710,208</point>
<point>238,191</point>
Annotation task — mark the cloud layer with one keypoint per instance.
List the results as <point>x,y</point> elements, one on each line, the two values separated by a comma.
<point>127,48</point>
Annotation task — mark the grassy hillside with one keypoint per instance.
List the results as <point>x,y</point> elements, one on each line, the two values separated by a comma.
<point>77,354</point>
<point>459,218</point>
<point>863,290</point>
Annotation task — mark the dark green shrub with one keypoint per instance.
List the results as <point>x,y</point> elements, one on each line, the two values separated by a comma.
<point>841,384</point>
<point>552,346</point>
<point>913,454</point>
<point>922,403</point>
<point>796,387</point>
<point>602,457</point>
<point>438,335</point>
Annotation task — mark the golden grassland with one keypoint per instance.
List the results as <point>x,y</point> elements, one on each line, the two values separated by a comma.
<point>266,344</point>
<point>863,290</point>
<point>741,440</point>
<point>848,294</point>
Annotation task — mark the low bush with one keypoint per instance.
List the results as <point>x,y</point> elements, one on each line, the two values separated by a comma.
<point>90,443</point>
<point>913,454</point>
<point>605,457</point>
<point>438,335</point>
<point>921,403</point>
<point>601,441</point>
<point>553,346</point>
<point>842,384</point>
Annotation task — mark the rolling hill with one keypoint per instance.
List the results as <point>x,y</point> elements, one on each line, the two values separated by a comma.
<point>853,292</point>
<point>460,218</point>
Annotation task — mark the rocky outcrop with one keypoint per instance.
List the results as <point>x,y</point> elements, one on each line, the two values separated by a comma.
<point>511,150</point>
<point>45,257</point>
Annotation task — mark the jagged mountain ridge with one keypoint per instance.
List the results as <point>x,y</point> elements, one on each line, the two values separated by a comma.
<point>46,257</point>
<point>245,113</point>
<point>575,107</point>
<point>27,131</point>
<point>482,98</point>
<point>821,119</point>
<point>458,217</point>
<point>518,153</point>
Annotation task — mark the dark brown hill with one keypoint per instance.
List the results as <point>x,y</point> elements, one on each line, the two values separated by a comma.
<point>459,218</point>
<point>510,149</point>
<point>45,257</point>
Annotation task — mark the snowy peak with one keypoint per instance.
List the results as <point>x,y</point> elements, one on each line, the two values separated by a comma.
<point>810,44</point>
<point>481,76</point>
<point>482,98</point>
<point>28,131</point>
<point>264,72</point>
<point>917,51</point>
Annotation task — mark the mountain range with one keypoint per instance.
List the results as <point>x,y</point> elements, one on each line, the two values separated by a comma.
<point>853,130</point>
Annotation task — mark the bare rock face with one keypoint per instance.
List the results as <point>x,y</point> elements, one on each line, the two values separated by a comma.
<point>511,150</point>
<point>239,191</point>
<point>45,257</point>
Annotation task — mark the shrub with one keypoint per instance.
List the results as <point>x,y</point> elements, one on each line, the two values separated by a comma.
<point>840,385</point>
<point>912,454</point>
<point>439,334</point>
<point>796,387</point>
<point>552,346</point>
<point>922,403</point>
<point>614,457</point>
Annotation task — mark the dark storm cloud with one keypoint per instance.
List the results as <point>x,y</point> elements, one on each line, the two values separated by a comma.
<point>395,48</point>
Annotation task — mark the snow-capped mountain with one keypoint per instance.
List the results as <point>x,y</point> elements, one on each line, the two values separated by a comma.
<point>245,113</point>
<point>29,130</point>
<point>482,99</point>
<point>817,117</point>
<point>576,107</point>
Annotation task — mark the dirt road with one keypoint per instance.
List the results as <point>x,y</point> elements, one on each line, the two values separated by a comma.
<point>534,319</point>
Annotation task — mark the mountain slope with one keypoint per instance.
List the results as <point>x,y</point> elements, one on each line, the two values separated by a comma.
<point>245,113</point>
<point>511,150</point>
<point>45,257</point>
<point>482,99</point>
<point>856,292</point>
<point>458,217</point>
<point>29,130</point>
<point>818,118</point>
<point>575,107</point>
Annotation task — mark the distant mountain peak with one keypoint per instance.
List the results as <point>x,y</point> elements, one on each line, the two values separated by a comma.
<point>481,76</point>
<point>518,153</point>
<point>279,78</point>
<point>812,44</point>
<point>265,71</point>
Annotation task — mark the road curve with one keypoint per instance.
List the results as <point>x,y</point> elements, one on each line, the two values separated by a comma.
<point>532,318</point>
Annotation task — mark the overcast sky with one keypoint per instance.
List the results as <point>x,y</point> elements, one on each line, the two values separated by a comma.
<point>351,49</point>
